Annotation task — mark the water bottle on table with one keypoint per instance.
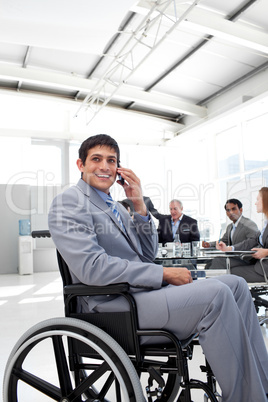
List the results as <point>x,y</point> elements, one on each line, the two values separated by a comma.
<point>177,246</point>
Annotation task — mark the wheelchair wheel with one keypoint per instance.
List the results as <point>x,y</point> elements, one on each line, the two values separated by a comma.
<point>38,368</point>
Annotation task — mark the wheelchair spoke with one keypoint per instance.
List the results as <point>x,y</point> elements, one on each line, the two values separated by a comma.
<point>87,385</point>
<point>62,365</point>
<point>118,391</point>
<point>37,383</point>
<point>107,386</point>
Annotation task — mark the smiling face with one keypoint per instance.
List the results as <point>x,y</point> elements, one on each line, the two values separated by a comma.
<point>259,203</point>
<point>100,167</point>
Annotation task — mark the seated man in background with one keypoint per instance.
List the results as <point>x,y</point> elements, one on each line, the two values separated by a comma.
<point>239,230</point>
<point>177,223</point>
<point>251,270</point>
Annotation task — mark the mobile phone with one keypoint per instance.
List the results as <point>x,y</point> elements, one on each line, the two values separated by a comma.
<point>120,178</point>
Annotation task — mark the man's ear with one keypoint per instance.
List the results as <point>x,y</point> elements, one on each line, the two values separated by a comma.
<point>80,165</point>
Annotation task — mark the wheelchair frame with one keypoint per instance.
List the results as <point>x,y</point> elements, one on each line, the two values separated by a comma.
<point>104,351</point>
<point>258,290</point>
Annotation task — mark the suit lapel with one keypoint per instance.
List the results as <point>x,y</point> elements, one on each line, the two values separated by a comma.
<point>228,231</point>
<point>95,199</point>
<point>236,233</point>
<point>129,226</point>
<point>130,233</point>
<point>179,231</point>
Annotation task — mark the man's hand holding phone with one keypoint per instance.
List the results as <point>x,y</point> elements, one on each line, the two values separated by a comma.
<point>132,187</point>
<point>120,178</point>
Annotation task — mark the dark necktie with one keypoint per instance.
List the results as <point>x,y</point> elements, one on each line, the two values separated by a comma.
<point>232,232</point>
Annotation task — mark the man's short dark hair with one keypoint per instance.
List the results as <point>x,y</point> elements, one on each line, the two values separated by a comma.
<point>235,202</point>
<point>125,204</point>
<point>95,140</point>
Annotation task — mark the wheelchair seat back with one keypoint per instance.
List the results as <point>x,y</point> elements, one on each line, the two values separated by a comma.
<point>119,325</point>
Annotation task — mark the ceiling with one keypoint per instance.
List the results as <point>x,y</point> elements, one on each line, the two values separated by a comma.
<point>178,62</point>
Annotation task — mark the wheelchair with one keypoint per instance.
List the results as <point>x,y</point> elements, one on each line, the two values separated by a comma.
<point>99,357</point>
<point>259,293</point>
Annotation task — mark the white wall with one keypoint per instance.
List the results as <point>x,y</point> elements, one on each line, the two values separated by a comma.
<point>14,205</point>
<point>25,202</point>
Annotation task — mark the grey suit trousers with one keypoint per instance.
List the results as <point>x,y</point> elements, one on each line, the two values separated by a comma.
<point>209,306</point>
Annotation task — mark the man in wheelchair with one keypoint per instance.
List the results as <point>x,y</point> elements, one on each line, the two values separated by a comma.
<point>102,245</point>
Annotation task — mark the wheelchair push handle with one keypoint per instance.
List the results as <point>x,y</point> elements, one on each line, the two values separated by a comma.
<point>41,233</point>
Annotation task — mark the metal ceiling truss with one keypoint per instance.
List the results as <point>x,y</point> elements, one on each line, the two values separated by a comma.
<point>203,42</point>
<point>122,27</point>
<point>239,35</point>
<point>24,65</point>
<point>124,63</point>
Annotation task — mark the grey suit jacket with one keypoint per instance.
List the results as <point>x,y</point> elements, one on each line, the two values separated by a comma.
<point>98,252</point>
<point>246,229</point>
<point>254,242</point>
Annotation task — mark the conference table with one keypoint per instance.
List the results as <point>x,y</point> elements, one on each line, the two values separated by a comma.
<point>199,261</point>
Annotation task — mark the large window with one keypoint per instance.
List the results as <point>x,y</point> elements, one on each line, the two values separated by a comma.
<point>13,156</point>
<point>74,173</point>
<point>46,162</point>
<point>228,146</point>
<point>32,162</point>
<point>255,143</point>
<point>242,163</point>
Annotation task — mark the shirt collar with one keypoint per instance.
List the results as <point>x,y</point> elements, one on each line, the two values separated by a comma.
<point>103,195</point>
<point>237,222</point>
<point>180,218</point>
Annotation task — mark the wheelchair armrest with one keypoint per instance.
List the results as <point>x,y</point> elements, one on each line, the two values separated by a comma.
<point>72,292</point>
<point>41,233</point>
<point>86,290</point>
